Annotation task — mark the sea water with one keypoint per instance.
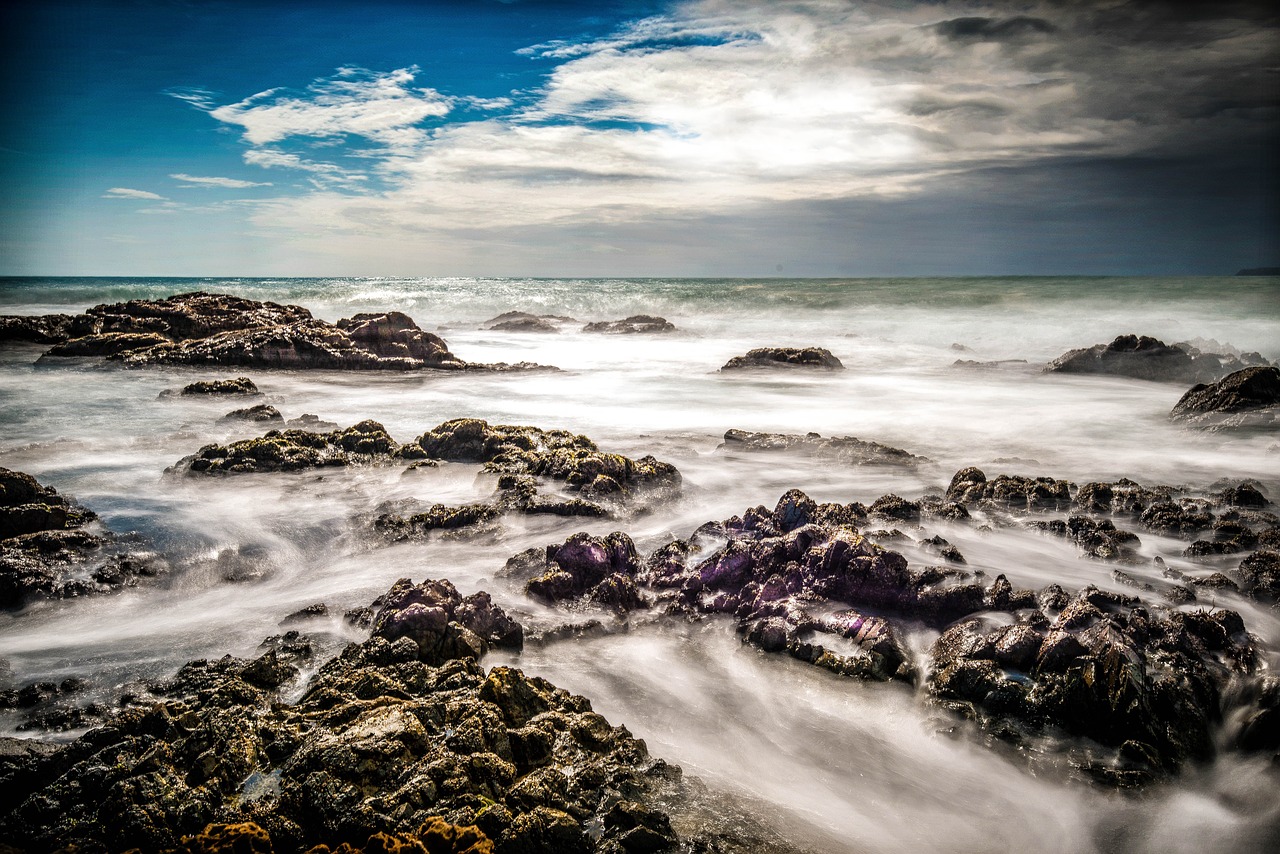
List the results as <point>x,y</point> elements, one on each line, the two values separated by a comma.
<point>833,764</point>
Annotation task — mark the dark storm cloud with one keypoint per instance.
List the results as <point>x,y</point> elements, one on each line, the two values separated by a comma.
<point>994,29</point>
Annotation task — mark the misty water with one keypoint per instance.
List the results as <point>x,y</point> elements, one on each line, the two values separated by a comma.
<point>833,764</point>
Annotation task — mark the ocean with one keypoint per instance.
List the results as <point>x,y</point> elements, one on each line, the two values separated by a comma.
<point>835,764</point>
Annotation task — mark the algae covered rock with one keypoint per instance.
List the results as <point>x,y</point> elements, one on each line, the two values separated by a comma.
<point>295,450</point>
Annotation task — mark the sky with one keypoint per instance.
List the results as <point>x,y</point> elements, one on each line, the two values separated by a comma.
<point>702,138</point>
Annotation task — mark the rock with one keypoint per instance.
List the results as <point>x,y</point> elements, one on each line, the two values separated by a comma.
<point>36,329</point>
<point>635,324</point>
<point>107,344</point>
<point>785,357</point>
<point>47,549</point>
<point>240,385</point>
<point>524,324</point>
<point>1099,539</point>
<point>1261,573</point>
<point>1149,688</point>
<point>193,315</point>
<point>1144,358</point>
<point>601,570</point>
<point>970,486</point>
<point>1246,398</point>
<point>314,611</point>
<point>294,450</point>
<point>513,320</point>
<point>261,413</point>
<point>383,746</point>
<point>1123,497</point>
<point>846,450</point>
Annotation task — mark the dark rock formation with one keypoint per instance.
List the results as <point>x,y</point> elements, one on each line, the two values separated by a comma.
<point>50,549</point>
<point>294,450</point>
<point>1245,399</point>
<point>970,486</point>
<point>1144,358</point>
<point>38,328</point>
<point>786,357</point>
<point>1149,687</point>
<point>263,412</point>
<point>601,570</point>
<point>525,324</point>
<point>401,739</point>
<point>843,449</point>
<point>1099,539</point>
<point>636,324</point>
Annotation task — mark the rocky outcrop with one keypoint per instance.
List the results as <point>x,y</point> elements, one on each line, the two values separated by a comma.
<point>262,413</point>
<point>1245,399</point>
<point>970,487</point>
<point>239,385</point>
<point>845,450</point>
<point>598,570</point>
<point>402,739</point>
<point>817,358</point>
<point>636,324</point>
<point>218,329</point>
<point>523,321</point>
<point>1145,358</point>
<point>50,548</point>
<point>39,328</point>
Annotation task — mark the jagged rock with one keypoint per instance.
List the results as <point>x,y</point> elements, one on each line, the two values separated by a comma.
<point>599,569</point>
<point>845,449</point>
<point>511,320</point>
<point>635,324</point>
<point>786,357</point>
<point>1247,398</point>
<point>390,743</point>
<point>1144,358</point>
<point>1150,688</point>
<point>1124,497</point>
<point>1014,492</point>
<point>524,324</point>
<point>48,550</point>
<point>1099,539</point>
<point>1261,572</point>
<point>263,412</point>
<point>294,450</point>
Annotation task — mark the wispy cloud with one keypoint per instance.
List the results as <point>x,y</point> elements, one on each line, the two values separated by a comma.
<point>382,107</point>
<point>231,183</point>
<point>327,173</point>
<point>126,193</point>
<point>200,98</point>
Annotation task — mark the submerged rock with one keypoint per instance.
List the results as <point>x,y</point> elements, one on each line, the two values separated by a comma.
<point>786,357</point>
<point>261,412</point>
<point>1245,399</point>
<point>50,549</point>
<point>525,324</point>
<point>1145,358</point>
<point>239,385</point>
<point>843,449</point>
<point>633,325</point>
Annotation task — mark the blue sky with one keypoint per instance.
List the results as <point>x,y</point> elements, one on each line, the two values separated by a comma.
<point>716,137</point>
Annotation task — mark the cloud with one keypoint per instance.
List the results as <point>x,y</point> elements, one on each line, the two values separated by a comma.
<point>126,193</point>
<point>722,105</point>
<point>200,98</point>
<point>377,106</point>
<point>233,183</point>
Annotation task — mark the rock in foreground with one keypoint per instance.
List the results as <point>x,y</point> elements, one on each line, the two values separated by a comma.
<point>817,358</point>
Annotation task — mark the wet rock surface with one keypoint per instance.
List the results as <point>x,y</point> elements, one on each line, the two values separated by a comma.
<point>402,739</point>
<point>1145,358</point>
<point>843,449</point>
<point>237,386</point>
<point>817,358</point>
<point>1245,399</point>
<point>636,324</point>
<point>51,547</point>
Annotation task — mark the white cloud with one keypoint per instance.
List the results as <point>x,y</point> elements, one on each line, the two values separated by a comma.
<point>231,183</point>
<point>328,173</point>
<point>126,193</point>
<point>378,106</point>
